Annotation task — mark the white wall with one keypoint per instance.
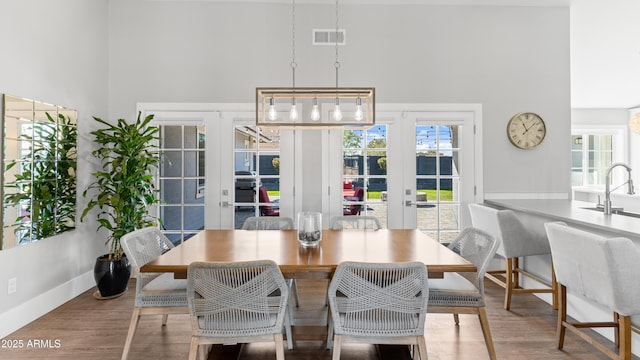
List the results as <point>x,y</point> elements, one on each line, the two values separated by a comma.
<point>605,54</point>
<point>56,52</point>
<point>500,57</point>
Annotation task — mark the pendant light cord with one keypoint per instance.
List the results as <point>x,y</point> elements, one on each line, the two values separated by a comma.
<point>293,42</point>
<point>337,63</point>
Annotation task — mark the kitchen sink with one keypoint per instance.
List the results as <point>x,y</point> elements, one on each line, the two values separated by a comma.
<point>614,211</point>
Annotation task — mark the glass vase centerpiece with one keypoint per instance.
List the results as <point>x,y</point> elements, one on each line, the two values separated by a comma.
<point>309,228</point>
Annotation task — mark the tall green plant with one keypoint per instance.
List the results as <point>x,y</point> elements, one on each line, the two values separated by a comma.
<point>124,188</point>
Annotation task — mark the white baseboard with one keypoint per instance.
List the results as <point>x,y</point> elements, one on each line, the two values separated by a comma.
<point>22,315</point>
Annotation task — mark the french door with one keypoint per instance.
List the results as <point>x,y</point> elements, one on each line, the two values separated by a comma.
<point>419,169</point>
<point>442,173</point>
<point>183,178</point>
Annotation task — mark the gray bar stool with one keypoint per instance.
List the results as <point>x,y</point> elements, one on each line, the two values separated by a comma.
<point>604,270</point>
<point>516,241</point>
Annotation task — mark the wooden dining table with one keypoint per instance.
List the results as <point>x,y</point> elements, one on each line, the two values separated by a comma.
<point>296,261</point>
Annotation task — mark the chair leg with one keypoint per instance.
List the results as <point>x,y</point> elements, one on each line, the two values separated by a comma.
<point>486,331</point>
<point>279,346</point>
<point>624,326</point>
<point>337,344</point>
<point>330,344</point>
<point>193,348</point>
<point>508,283</point>
<point>516,275</point>
<point>422,347</point>
<point>165,317</point>
<point>456,318</point>
<point>554,288</point>
<point>616,330</point>
<point>133,325</point>
<point>287,328</point>
<point>562,315</point>
<point>294,290</point>
<point>202,352</point>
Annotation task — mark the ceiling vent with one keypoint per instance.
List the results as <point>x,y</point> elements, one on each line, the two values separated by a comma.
<point>329,37</point>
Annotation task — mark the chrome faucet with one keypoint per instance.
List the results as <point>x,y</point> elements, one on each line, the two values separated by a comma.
<point>608,190</point>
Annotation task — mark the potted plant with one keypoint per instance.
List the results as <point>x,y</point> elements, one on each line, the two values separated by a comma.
<point>122,191</point>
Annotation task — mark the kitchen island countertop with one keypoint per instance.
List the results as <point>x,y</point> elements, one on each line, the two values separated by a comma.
<point>572,211</point>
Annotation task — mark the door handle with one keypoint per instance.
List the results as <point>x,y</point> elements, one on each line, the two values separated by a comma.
<point>409,203</point>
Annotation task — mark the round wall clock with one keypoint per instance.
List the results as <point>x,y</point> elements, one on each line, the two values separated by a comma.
<point>526,130</point>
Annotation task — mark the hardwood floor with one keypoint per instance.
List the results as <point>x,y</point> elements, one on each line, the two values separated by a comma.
<point>86,328</point>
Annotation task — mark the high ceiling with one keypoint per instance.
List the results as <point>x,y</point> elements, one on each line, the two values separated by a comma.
<point>604,38</point>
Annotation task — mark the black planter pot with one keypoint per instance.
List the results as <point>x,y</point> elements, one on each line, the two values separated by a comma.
<point>111,276</point>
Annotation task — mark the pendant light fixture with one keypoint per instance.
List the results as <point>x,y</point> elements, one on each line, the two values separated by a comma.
<point>316,107</point>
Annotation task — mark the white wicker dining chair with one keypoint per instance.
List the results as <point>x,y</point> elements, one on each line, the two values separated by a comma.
<point>236,302</point>
<point>156,293</point>
<point>515,240</point>
<point>603,270</point>
<point>378,303</point>
<point>463,293</point>
<point>268,223</point>
<point>276,223</point>
<point>355,222</point>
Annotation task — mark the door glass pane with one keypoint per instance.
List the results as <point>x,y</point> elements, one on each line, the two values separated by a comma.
<point>191,158</point>
<point>376,200</point>
<point>172,216</point>
<point>171,192</point>
<point>171,137</point>
<point>171,163</point>
<point>438,180</point>
<point>256,173</point>
<point>192,216</point>
<point>242,213</point>
<point>364,174</point>
<point>181,180</point>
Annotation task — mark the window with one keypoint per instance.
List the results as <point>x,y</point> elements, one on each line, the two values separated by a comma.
<point>592,153</point>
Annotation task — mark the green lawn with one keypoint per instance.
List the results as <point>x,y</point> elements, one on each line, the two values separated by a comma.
<point>273,193</point>
<point>445,195</point>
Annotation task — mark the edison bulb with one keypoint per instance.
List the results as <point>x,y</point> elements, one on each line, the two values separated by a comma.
<point>273,114</point>
<point>293,114</point>
<point>358,115</point>
<point>315,112</point>
<point>337,113</point>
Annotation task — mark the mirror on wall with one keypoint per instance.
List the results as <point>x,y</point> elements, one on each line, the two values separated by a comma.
<point>39,170</point>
